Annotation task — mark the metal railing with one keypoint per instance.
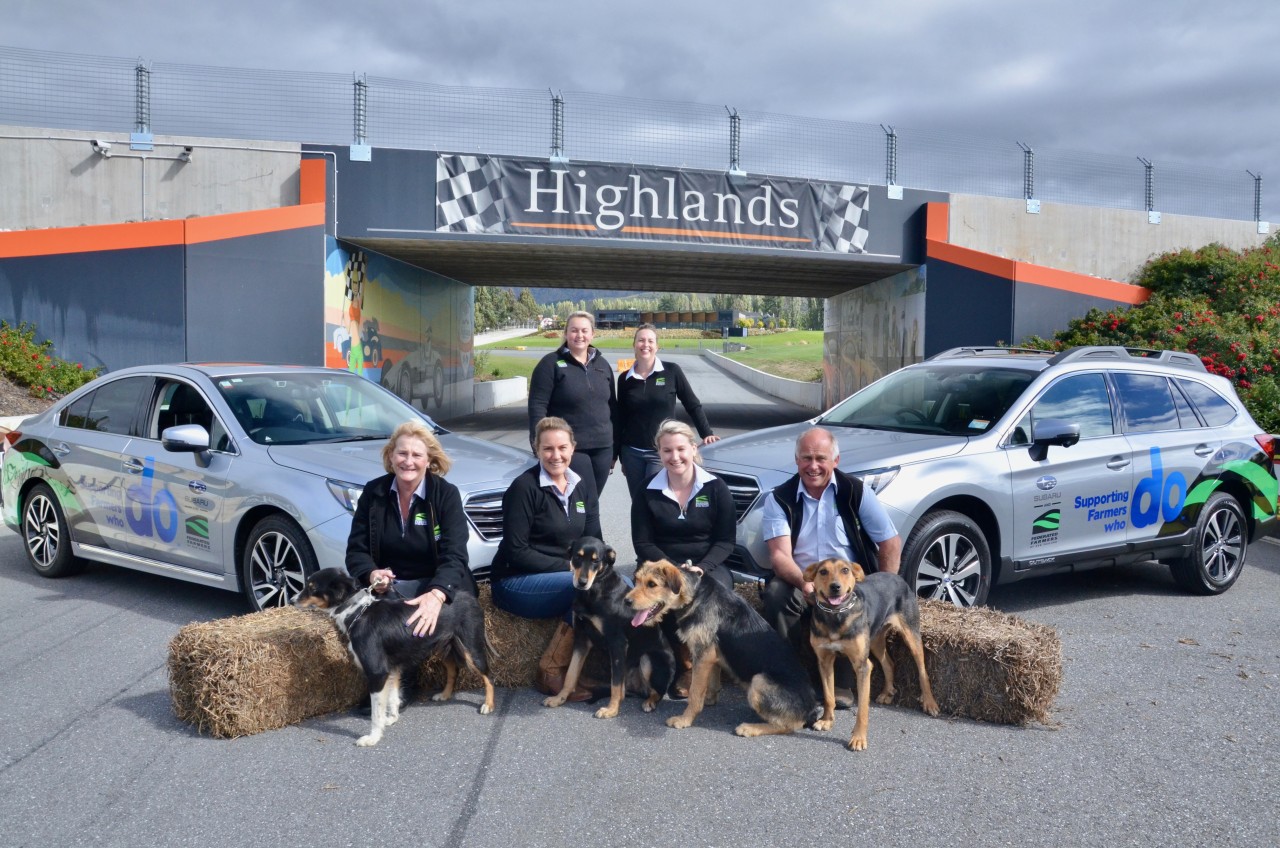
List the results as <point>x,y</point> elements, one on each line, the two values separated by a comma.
<point>104,94</point>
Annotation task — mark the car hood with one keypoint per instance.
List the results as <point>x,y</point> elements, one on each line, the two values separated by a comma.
<point>860,449</point>
<point>476,464</point>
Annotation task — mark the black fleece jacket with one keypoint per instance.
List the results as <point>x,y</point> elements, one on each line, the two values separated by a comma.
<point>376,542</point>
<point>581,394</point>
<point>705,535</point>
<point>536,532</point>
<point>644,404</point>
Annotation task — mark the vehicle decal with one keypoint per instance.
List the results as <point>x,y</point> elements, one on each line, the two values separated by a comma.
<point>1158,496</point>
<point>1111,508</point>
<point>151,511</point>
<point>1047,522</point>
<point>197,532</point>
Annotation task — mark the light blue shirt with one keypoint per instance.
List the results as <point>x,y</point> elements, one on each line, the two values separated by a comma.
<point>547,483</point>
<point>822,534</point>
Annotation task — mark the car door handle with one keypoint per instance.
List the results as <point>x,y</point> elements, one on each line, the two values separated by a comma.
<point>1117,462</point>
<point>1203,450</point>
<point>60,449</point>
<point>133,466</point>
<point>197,486</point>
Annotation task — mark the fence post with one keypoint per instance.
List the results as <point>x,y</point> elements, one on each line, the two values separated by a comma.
<point>891,162</point>
<point>735,143</point>
<point>1264,227</point>
<point>557,127</point>
<point>141,138</point>
<point>1029,178</point>
<point>1153,217</point>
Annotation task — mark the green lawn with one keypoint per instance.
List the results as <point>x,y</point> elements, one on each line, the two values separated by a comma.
<point>503,367</point>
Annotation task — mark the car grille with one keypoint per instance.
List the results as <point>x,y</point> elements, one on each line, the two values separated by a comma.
<point>485,513</point>
<point>744,489</point>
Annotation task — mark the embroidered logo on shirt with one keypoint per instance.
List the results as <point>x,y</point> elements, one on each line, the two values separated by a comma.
<point>419,519</point>
<point>436,530</point>
<point>560,363</point>
<point>581,506</point>
<point>701,501</point>
<point>661,381</point>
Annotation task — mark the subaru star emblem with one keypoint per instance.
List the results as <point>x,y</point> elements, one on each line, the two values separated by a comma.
<point>1046,482</point>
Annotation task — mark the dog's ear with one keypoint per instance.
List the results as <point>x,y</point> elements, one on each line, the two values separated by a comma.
<point>673,576</point>
<point>810,573</point>
<point>610,555</point>
<point>858,574</point>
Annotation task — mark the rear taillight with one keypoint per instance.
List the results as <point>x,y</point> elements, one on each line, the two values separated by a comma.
<point>12,437</point>
<point>1268,443</point>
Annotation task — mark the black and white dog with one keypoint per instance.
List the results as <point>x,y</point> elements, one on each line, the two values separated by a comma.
<point>385,649</point>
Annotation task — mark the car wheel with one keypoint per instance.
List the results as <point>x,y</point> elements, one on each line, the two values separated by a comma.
<point>277,561</point>
<point>1221,540</point>
<point>405,389</point>
<point>45,534</point>
<point>437,385</point>
<point>947,559</point>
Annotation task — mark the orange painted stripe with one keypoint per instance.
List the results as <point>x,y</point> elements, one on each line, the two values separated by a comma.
<point>311,188</point>
<point>666,231</point>
<point>1036,275</point>
<point>239,224</point>
<point>91,239</point>
<point>937,221</point>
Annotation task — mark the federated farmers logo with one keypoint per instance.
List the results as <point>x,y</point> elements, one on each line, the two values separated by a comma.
<point>701,501</point>
<point>661,381</point>
<point>580,506</point>
<point>197,528</point>
<point>560,363</point>
<point>1047,522</point>
<point>436,532</point>
<point>419,519</point>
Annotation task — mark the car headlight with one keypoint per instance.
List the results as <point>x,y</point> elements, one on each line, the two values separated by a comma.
<point>347,494</point>
<point>877,478</point>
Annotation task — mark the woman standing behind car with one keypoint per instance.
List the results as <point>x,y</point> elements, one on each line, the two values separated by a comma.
<point>646,397</point>
<point>544,511</point>
<point>409,528</point>
<point>576,383</point>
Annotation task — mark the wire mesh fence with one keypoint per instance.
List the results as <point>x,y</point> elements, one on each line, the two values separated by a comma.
<point>105,94</point>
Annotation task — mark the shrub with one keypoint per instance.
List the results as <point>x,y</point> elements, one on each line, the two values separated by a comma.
<point>31,364</point>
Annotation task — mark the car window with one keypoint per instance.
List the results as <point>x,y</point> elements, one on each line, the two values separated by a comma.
<point>1080,398</point>
<point>181,403</point>
<point>111,408</point>
<point>1146,402</point>
<point>1213,407</point>
<point>1187,418</point>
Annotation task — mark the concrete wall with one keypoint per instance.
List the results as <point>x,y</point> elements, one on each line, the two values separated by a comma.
<point>52,178</point>
<point>493,393</point>
<point>808,395</point>
<point>1108,243</point>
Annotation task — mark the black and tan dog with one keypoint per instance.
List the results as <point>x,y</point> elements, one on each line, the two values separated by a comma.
<point>722,630</point>
<point>385,649</point>
<point>601,616</point>
<point>852,615</point>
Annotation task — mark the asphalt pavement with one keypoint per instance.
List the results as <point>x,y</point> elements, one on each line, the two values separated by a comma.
<point>1163,734</point>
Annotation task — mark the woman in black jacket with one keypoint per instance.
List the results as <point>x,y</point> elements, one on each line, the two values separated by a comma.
<point>647,395</point>
<point>544,511</point>
<point>575,383</point>
<point>409,533</point>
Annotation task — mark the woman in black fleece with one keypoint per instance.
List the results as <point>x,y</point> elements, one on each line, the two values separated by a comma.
<point>646,397</point>
<point>576,383</point>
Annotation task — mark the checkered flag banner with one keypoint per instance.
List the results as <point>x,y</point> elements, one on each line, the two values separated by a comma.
<point>469,195</point>
<point>843,218</point>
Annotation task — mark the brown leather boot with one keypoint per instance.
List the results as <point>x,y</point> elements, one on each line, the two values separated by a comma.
<point>555,663</point>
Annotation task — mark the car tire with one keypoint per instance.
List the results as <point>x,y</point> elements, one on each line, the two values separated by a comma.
<point>46,536</point>
<point>405,389</point>
<point>276,562</point>
<point>947,558</point>
<point>437,384</point>
<point>1221,541</point>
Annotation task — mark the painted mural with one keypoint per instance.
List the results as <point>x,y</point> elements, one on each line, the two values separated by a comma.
<point>401,326</point>
<point>871,331</point>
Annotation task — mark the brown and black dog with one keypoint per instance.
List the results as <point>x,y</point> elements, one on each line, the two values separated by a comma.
<point>721,629</point>
<point>852,614</point>
<point>601,616</point>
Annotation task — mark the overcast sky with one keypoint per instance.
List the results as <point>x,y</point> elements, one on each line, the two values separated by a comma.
<point>1183,81</point>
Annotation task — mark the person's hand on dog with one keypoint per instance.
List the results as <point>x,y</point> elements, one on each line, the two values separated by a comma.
<point>807,589</point>
<point>423,620</point>
<point>380,579</point>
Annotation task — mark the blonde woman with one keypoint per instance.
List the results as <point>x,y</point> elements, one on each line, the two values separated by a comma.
<point>575,383</point>
<point>409,531</point>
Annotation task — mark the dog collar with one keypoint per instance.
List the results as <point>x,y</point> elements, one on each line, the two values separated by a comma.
<point>825,607</point>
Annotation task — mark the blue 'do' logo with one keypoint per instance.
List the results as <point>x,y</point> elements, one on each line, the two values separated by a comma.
<point>151,511</point>
<point>1158,497</point>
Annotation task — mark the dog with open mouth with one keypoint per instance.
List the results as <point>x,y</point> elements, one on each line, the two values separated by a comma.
<point>721,630</point>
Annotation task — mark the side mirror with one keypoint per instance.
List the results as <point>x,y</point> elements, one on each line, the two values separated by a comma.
<point>187,438</point>
<point>1052,431</point>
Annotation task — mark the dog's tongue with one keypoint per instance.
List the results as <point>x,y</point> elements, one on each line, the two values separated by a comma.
<point>641,617</point>
<point>835,602</point>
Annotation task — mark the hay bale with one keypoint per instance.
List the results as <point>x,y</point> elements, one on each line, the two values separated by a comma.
<point>516,644</point>
<point>243,675</point>
<point>982,664</point>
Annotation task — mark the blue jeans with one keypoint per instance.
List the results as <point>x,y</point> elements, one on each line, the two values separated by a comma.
<point>545,595</point>
<point>637,466</point>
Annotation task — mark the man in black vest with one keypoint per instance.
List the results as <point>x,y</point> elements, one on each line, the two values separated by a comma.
<point>820,513</point>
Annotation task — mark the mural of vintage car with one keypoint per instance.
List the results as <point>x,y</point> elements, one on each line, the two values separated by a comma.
<point>418,375</point>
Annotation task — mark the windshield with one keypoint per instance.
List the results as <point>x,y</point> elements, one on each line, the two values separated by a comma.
<point>303,408</point>
<point>923,399</point>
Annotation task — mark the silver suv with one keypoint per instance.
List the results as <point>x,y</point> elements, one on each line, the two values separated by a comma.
<point>999,463</point>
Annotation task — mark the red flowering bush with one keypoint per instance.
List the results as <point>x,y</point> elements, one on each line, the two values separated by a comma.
<point>1220,304</point>
<point>29,363</point>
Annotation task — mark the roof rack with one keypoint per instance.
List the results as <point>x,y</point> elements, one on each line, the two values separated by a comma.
<point>986,351</point>
<point>1094,352</point>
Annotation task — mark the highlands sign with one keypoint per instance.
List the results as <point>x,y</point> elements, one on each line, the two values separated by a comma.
<point>489,194</point>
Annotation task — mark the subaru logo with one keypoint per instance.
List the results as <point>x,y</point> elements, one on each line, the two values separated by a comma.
<point>1046,482</point>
